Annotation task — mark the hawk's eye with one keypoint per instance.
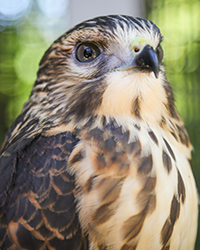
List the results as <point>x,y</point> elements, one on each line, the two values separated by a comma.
<point>86,52</point>
<point>159,52</point>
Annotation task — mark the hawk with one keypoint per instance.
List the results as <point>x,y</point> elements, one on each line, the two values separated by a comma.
<point>99,157</point>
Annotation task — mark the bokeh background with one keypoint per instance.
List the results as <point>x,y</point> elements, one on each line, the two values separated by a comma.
<point>28,27</point>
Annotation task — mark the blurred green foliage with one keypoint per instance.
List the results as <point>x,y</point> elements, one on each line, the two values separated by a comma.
<point>23,42</point>
<point>179,24</point>
<point>19,61</point>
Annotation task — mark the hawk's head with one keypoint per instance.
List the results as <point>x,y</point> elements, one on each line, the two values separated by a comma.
<point>107,66</point>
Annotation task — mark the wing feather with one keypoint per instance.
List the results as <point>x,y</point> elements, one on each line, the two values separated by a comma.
<point>37,202</point>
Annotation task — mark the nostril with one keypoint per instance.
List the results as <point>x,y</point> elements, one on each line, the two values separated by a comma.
<point>136,49</point>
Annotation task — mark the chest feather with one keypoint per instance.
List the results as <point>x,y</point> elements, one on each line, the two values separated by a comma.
<point>135,189</point>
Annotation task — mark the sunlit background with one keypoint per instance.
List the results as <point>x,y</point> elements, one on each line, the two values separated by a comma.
<point>28,27</point>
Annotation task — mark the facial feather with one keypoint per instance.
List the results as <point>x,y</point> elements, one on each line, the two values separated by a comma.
<point>99,81</point>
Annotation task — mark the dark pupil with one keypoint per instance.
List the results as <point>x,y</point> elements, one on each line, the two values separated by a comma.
<point>87,52</point>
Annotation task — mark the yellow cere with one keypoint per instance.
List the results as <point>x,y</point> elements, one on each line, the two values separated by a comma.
<point>138,43</point>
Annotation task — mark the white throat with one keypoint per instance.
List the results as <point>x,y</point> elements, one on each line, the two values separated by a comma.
<point>124,89</point>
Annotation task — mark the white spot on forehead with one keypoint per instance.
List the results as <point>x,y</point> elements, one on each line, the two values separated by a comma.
<point>91,22</point>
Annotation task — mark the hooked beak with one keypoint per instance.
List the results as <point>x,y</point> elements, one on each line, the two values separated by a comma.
<point>145,57</point>
<point>147,60</point>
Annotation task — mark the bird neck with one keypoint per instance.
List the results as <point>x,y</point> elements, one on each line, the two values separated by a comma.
<point>140,96</point>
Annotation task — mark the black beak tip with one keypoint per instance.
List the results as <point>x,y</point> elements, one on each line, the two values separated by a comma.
<point>156,72</point>
<point>147,59</point>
